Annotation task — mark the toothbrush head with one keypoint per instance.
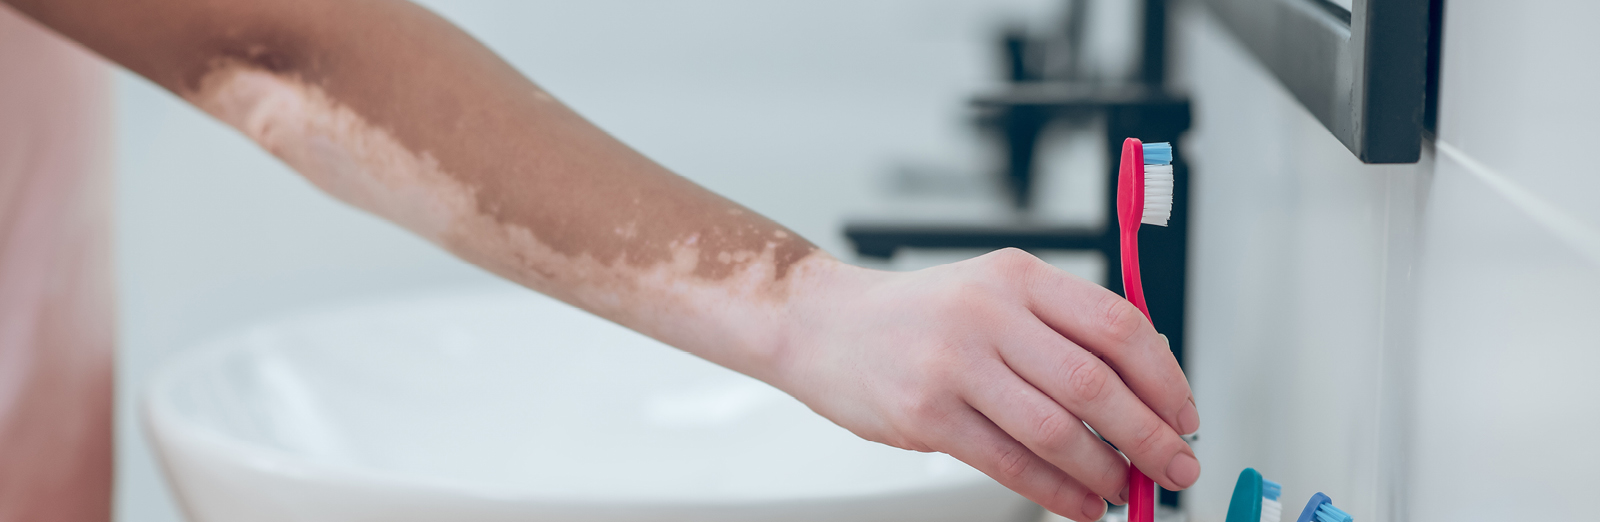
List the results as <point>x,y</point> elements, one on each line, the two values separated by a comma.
<point>1255,499</point>
<point>1320,509</point>
<point>1245,505</point>
<point>1158,180</point>
<point>1328,513</point>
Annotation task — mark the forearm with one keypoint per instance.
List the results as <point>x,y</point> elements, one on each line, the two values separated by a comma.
<point>394,110</point>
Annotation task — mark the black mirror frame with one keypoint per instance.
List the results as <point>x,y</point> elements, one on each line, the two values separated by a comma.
<point>1361,72</point>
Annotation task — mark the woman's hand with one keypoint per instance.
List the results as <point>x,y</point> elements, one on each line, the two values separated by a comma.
<point>998,361</point>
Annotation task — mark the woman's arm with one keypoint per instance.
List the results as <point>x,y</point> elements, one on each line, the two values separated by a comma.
<point>392,109</point>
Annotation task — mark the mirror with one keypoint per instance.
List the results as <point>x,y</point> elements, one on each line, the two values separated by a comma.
<point>1362,70</point>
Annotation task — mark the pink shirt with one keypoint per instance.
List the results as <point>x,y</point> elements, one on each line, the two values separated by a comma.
<point>56,335</point>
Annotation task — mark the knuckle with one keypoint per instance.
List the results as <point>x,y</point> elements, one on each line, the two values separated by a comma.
<point>1119,319</point>
<point>1053,431</point>
<point>1010,255</point>
<point>1086,380</point>
<point>922,410</point>
<point>1067,497</point>
<point>1018,261</point>
<point>1111,478</point>
<point>1014,263</point>
<point>1147,439</point>
<point>1013,463</point>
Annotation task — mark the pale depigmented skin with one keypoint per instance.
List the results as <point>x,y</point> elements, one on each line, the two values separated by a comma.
<point>334,147</point>
<point>632,255</point>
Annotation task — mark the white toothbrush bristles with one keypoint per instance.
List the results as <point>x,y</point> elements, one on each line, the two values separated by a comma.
<point>1271,510</point>
<point>1157,195</point>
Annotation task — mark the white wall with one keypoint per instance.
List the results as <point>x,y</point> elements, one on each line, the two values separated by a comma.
<point>1510,289</point>
<point>1413,340</point>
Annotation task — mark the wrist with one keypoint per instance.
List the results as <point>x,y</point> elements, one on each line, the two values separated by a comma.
<point>819,290</point>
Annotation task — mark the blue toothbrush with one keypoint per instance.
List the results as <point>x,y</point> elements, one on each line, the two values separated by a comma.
<point>1320,509</point>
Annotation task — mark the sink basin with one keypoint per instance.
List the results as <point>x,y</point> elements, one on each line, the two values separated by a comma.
<point>502,404</point>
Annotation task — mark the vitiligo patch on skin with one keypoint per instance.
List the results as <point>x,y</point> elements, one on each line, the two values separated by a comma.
<point>334,147</point>
<point>590,236</point>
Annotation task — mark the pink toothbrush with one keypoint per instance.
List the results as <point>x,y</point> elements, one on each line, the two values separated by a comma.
<point>1144,195</point>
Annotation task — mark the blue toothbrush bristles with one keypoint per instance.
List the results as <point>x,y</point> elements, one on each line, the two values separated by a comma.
<point>1157,153</point>
<point>1271,509</point>
<point>1327,513</point>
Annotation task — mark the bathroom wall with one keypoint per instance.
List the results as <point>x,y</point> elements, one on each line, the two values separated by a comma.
<point>1413,340</point>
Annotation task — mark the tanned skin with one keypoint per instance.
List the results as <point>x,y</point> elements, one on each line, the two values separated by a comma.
<point>997,361</point>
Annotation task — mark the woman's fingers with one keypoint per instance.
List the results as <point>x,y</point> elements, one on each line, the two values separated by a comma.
<point>1113,329</point>
<point>1084,385</point>
<point>1049,431</point>
<point>979,360</point>
<point>973,439</point>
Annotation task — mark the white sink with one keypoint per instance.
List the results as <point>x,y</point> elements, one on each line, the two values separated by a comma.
<point>507,405</point>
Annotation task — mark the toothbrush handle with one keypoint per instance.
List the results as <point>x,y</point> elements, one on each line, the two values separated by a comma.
<point>1141,490</point>
<point>1141,496</point>
<point>1130,205</point>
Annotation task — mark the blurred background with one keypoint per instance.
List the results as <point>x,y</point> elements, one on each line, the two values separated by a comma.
<point>1408,338</point>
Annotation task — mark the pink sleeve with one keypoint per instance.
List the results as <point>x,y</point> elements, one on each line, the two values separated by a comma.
<point>56,336</point>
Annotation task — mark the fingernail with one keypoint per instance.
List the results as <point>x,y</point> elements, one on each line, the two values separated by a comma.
<point>1183,470</point>
<point>1189,418</point>
<point>1093,506</point>
<point>1122,496</point>
<point>1166,341</point>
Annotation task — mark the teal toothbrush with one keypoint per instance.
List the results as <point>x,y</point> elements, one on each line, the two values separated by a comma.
<point>1255,499</point>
